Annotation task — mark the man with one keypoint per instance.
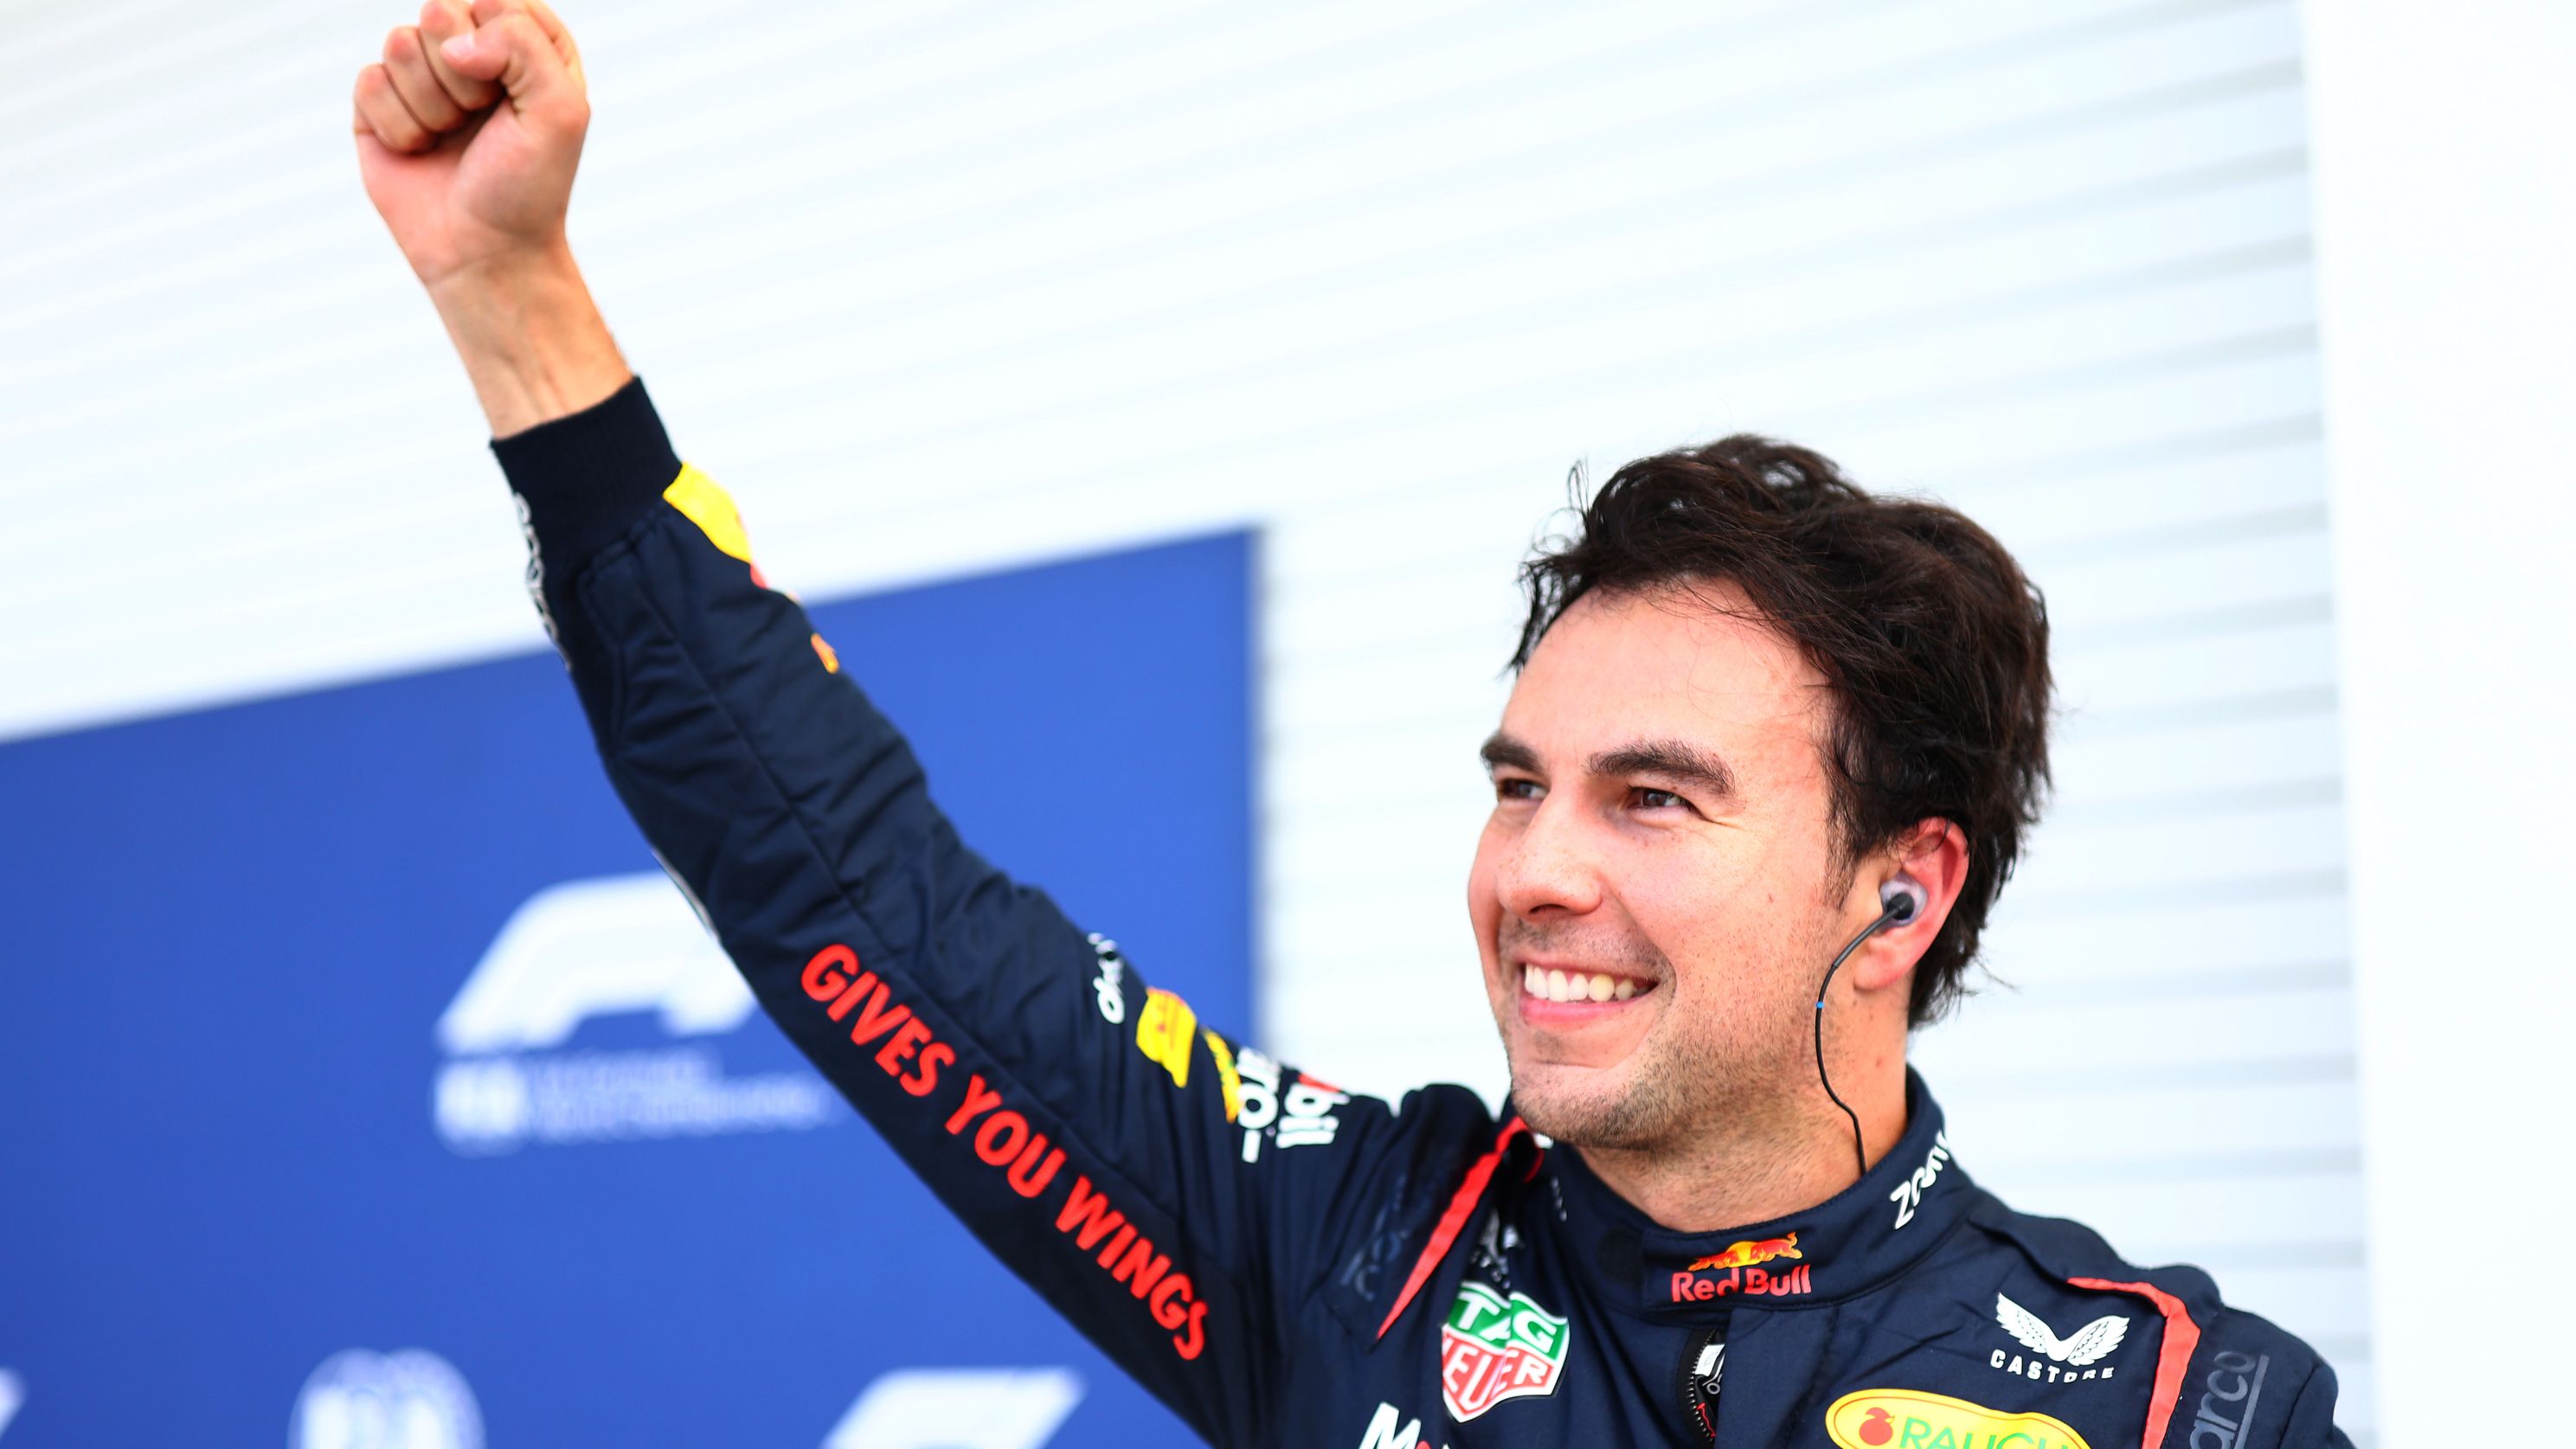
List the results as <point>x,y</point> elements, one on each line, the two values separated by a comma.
<point>1771,752</point>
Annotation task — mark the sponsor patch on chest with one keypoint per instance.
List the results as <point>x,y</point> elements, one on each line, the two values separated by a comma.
<point>1497,1346</point>
<point>1915,1419</point>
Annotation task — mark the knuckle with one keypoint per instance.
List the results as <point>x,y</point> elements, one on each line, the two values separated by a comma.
<point>402,43</point>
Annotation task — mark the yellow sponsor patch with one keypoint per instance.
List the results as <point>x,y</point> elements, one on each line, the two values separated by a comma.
<point>1164,1031</point>
<point>1913,1419</point>
<point>830,657</point>
<point>711,509</point>
<point>1228,1080</point>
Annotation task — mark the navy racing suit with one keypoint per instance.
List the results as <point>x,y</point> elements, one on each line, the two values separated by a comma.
<point>1282,1262</point>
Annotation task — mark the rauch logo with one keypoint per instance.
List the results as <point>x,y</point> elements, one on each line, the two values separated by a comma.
<point>1914,1419</point>
<point>594,948</point>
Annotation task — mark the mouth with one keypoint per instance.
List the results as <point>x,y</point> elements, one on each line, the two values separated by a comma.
<point>1557,996</point>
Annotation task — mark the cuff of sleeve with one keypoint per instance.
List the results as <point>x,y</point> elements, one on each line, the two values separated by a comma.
<point>586,477</point>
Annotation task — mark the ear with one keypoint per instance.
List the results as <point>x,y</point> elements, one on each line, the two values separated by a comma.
<point>1936,855</point>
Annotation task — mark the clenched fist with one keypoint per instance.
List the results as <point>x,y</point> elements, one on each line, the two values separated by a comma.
<point>469,132</point>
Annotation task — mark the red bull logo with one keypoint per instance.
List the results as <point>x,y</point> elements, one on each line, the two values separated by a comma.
<point>1738,1271</point>
<point>1745,1255</point>
<point>1748,1282</point>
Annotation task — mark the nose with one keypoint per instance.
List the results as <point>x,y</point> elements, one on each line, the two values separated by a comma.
<point>1548,866</point>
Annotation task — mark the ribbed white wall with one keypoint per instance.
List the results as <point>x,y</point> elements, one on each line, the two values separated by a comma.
<point>941,286</point>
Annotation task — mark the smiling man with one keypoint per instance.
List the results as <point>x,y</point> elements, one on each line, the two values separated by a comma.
<point>1770,754</point>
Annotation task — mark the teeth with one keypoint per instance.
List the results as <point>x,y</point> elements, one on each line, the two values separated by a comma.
<point>1557,985</point>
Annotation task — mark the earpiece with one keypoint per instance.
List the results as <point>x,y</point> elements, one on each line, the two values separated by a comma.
<point>1903,898</point>
<point>1899,901</point>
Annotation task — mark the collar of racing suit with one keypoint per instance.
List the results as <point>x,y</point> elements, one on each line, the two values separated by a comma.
<point>1854,1241</point>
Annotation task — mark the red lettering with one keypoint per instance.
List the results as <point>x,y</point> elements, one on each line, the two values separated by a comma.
<point>1688,1288</point>
<point>1117,1243</point>
<point>823,979</point>
<point>900,1045</point>
<point>989,1143</point>
<point>875,1020</point>
<point>1027,1183</point>
<point>1128,1255</point>
<point>1462,1367</point>
<point>1142,1264</point>
<point>1756,1281</point>
<point>1083,1206</point>
<point>860,985</point>
<point>933,1057</point>
<point>979,1100</point>
<point>1168,1297</point>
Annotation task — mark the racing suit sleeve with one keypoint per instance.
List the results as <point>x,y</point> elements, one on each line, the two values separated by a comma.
<point>2311,1423</point>
<point>1119,1156</point>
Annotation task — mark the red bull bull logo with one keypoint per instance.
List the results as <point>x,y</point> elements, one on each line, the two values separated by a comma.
<point>1745,1255</point>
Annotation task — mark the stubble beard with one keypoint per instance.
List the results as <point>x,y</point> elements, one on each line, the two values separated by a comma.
<point>1706,1071</point>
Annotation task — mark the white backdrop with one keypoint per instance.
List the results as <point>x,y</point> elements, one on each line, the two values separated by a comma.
<point>2449,310</point>
<point>935,287</point>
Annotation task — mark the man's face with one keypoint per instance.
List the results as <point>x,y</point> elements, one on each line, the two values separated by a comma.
<point>1650,894</point>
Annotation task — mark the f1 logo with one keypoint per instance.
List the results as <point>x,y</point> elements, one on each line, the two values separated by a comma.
<point>959,1409</point>
<point>593,948</point>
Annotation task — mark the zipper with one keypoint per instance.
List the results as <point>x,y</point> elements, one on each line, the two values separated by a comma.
<point>1701,1372</point>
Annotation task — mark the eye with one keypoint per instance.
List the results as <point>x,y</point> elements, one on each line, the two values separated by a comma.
<point>1647,797</point>
<point>1514,787</point>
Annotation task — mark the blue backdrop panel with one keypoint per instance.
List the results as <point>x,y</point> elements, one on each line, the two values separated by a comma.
<point>229,938</point>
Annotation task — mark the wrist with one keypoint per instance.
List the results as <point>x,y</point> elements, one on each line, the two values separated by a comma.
<point>531,339</point>
<point>541,264</point>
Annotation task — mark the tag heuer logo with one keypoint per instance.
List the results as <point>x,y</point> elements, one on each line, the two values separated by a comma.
<point>1495,1348</point>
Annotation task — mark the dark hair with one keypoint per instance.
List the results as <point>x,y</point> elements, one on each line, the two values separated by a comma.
<point>1934,643</point>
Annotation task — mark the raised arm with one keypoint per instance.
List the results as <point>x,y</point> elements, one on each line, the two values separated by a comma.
<point>469,132</point>
<point>1187,1202</point>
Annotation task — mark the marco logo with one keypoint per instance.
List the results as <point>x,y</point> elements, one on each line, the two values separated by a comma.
<point>615,945</point>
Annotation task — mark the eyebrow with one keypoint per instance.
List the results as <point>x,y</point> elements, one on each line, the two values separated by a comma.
<point>1675,760</point>
<point>1501,751</point>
